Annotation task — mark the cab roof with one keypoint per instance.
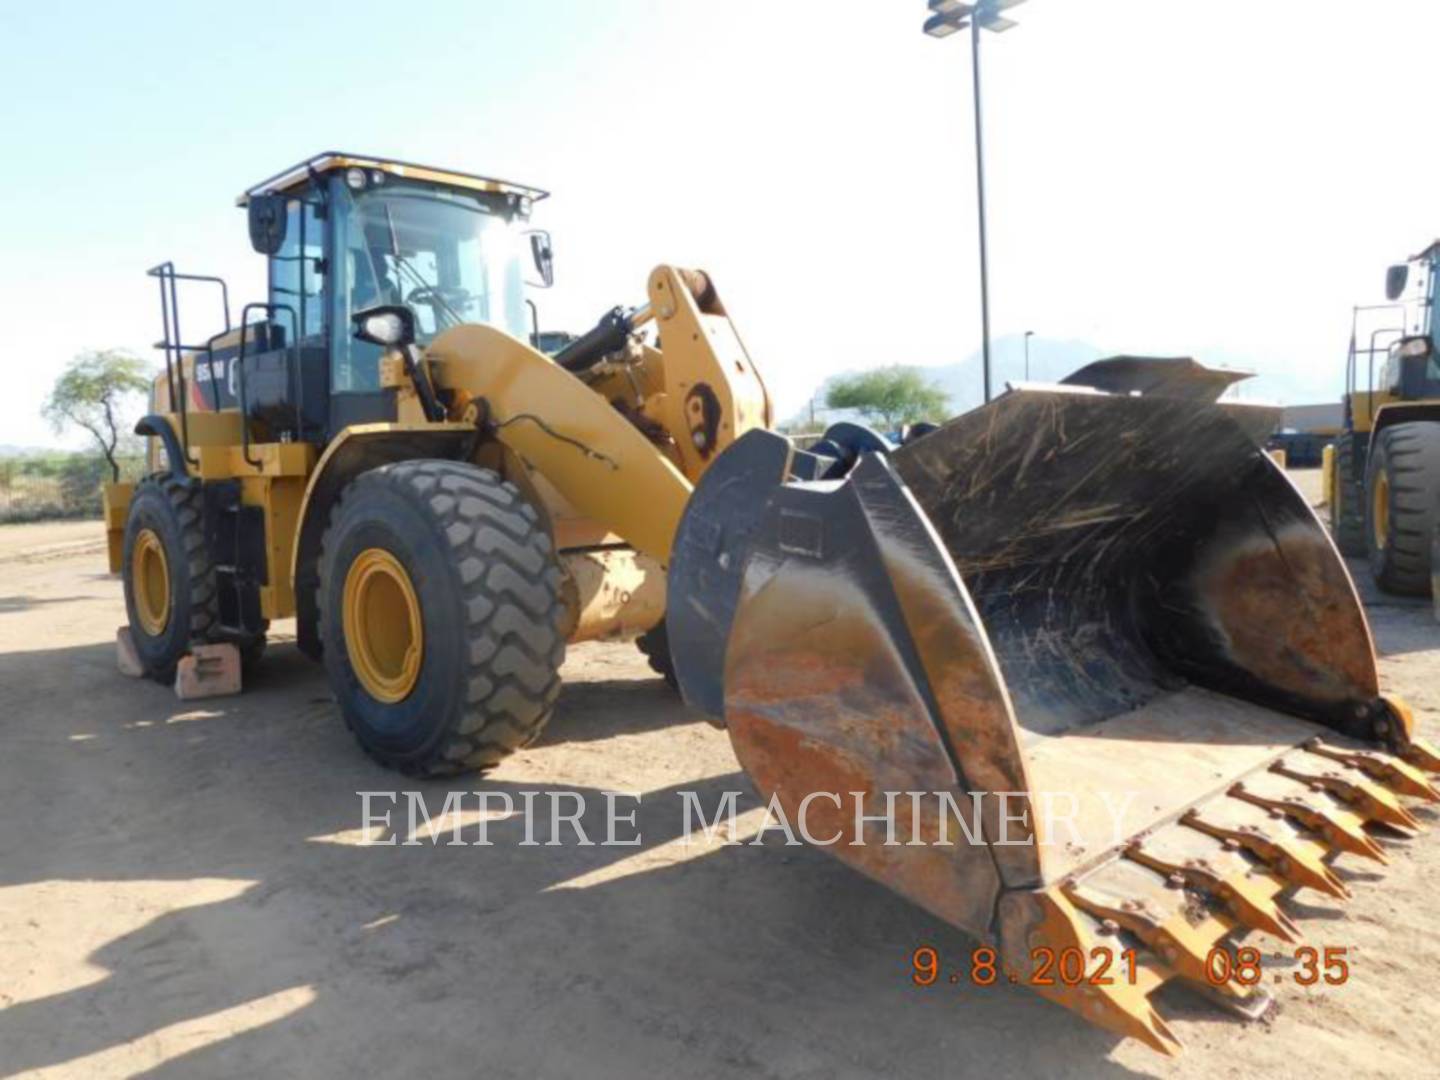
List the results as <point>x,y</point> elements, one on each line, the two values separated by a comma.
<point>1429,251</point>
<point>333,160</point>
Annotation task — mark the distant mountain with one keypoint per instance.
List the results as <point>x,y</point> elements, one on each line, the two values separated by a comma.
<point>1277,386</point>
<point>963,382</point>
<point>8,450</point>
<point>1050,361</point>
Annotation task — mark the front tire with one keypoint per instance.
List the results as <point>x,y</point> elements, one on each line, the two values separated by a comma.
<point>441,616</point>
<point>1401,487</point>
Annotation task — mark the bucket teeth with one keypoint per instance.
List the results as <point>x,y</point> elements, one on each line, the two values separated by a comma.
<point>1123,1005</point>
<point>1375,803</point>
<point>1291,857</point>
<point>1395,773</point>
<point>1126,1011</point>
<point>1156,1034</point>
<point>1181,944</point>
<point>1423,755</point>
<point>1244,895</point>
<point>1339,827</point>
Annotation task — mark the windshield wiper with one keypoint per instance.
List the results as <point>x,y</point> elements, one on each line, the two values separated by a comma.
<point>403,266</point>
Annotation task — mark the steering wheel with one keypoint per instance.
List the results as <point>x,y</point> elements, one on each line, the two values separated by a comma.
<point>438,298</point>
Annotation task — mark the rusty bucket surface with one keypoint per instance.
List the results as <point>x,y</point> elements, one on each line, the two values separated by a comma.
<point>1104,627</point>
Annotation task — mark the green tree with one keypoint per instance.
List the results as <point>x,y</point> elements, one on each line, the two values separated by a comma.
<point>95,392</point>
<point>893,396</point>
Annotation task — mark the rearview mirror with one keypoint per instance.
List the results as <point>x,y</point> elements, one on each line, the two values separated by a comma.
<point>1395,280</point>
<point>389,325</point>
<point>267,223</point>
<point>544,256</point>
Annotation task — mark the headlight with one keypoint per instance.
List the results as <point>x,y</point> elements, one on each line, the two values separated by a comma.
<point>384,329</point>
<point>525,205</point>
<point>1419,346</point>
<point>356,179</point>
<point>388,326</point>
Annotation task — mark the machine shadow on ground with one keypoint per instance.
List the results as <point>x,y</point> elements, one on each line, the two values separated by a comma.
<point>736,960</point>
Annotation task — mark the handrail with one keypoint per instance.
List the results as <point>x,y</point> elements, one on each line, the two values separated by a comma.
<point>173,344</point>
<point>1351,365</point>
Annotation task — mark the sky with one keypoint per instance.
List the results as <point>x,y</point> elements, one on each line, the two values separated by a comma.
<point>1223,181</point>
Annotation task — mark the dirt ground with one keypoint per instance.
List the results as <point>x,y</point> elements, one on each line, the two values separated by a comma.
<point>183,893</point>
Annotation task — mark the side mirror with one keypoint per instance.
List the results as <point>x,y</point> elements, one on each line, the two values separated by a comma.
<point>544,256</point>
<point>1395,280</point>
<point>388,325</point>
<point>267,223</point>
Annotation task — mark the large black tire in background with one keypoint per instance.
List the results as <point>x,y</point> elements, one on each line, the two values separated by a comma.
<point>1347,503</point>
<point>1435,560</point>
<point>468,670</point>
<point>165,551</point>
<point>1401,486</point>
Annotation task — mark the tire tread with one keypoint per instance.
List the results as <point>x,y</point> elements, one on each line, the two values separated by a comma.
<point>510,603</point>
<point>1412,451</point>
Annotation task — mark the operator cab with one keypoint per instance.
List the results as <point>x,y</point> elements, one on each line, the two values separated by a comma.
<point>341,234</point>
<point>364,232</point>
<point>1411,369</point>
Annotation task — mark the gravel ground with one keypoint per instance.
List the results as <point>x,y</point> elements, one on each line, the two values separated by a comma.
<point>183,893</point>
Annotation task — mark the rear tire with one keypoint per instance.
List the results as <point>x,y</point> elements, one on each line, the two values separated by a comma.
<point>170,511</point>
<point>1347,502</point>
<point>477,590</point>
<point>1401,487</point>
<point>168,575</point>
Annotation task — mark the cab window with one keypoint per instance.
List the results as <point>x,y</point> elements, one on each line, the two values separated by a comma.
<point>295,273</point>
<point>451,257</point>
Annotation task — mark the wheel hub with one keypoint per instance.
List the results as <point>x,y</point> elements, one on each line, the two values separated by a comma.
<point>150,581</point>
<point>384,636</point>
<point>1380,510</point>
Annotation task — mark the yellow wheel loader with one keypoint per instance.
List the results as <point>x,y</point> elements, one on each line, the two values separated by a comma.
<point>1382,482</point>
<point>1079,672</point>
<point>376,450</point>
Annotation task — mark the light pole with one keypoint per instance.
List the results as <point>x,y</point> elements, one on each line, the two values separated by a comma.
<point>949,16</point>
<point>1028,335</point>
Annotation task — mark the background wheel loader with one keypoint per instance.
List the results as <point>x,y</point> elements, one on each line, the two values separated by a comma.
<point>1382,483</point>
<point>1102,593</point>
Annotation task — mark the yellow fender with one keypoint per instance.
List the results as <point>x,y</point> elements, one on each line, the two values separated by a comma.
<point>566,432</point>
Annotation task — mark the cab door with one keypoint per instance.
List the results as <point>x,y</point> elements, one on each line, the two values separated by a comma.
<point>292,376</point>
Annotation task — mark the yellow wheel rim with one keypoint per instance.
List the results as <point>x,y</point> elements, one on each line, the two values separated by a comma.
<point>1380,510</point>
<point>384,636</point>
<point>150,582</point>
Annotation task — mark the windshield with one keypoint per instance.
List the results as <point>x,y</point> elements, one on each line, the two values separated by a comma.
<point>445,255</point>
